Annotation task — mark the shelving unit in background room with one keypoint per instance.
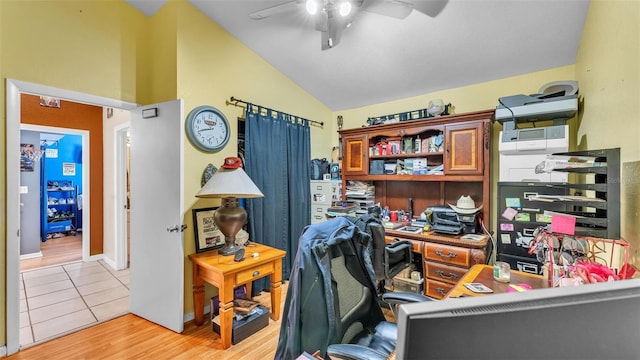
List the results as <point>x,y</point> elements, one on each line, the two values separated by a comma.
<point>61,203</point>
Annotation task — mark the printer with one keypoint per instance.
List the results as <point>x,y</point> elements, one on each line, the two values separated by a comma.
<point>557,101</point>
<point>444,220</point>
<point>521,149</point>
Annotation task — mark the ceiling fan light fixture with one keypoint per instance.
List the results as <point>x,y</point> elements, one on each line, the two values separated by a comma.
<point>345,8</point>
<point>312,7</point>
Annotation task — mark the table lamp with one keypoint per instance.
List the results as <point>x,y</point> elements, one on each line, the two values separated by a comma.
<point>230,183</point>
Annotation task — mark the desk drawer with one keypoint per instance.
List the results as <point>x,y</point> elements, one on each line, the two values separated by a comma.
<point>444,273</point>
<point>416,245</point>
<point>447,254</point>
<point>436,289</point>
<point>253,274</point>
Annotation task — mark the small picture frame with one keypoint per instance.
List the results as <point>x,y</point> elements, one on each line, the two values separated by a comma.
<point>207,234</point>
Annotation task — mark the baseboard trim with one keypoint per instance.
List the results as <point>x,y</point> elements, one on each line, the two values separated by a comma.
<point>3,351</point>
<point>31,255</point>
<point>190,316</point>
<point>109,262</point>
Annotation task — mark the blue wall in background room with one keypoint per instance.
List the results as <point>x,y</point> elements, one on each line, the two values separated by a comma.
<point>69,152</point>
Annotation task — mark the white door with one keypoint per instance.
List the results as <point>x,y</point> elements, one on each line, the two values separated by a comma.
<point>157,254</point>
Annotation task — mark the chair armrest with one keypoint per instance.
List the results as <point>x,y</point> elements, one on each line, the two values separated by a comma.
<point>396,298</point>
<point>353,352</point>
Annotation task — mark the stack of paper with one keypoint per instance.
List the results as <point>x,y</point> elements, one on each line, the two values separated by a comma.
<point>362,194</point>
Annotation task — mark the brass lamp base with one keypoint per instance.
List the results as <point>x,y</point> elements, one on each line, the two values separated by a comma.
<point>230,218</point>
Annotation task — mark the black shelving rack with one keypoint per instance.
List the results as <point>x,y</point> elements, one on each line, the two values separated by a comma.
<point>596,218</point>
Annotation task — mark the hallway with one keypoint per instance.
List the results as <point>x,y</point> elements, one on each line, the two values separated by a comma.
<point>60,299</point>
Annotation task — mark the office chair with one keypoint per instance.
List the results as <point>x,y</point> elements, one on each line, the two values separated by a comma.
<point>332,304</point>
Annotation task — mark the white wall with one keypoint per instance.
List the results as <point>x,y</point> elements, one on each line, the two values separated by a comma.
<point>118,118</point>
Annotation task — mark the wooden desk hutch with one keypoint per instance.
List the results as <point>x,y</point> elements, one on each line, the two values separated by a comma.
<point>465,156</point>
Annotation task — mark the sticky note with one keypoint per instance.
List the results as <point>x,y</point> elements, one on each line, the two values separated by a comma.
<point>512,202</point>
<point>509,213</point>
<point>563,224</point>
<point>506,227</point>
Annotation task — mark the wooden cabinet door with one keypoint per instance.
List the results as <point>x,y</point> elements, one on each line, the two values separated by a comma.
<point>356,155</point>
<point>463,149</point>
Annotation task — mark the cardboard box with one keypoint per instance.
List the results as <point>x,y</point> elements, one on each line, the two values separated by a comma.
<point>420,166</point>
<point>407,285</point>
<point>246,326</point>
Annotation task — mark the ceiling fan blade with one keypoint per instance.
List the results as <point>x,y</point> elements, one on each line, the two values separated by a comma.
<point>398,9</point>
<point>431,7</point>
<point>277,9</point>
<point>332,36</point>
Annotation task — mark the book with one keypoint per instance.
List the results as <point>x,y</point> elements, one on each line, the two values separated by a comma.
<point>412,229</point>
<point>244,306</point>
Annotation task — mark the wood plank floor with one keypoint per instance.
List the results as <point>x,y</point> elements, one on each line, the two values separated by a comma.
<point>131,337</point>
<point>58,251</point>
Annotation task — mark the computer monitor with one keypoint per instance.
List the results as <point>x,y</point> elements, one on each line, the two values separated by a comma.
<point>593,321</point>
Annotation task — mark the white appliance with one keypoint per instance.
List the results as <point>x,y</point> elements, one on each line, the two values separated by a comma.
<point>522,149</point>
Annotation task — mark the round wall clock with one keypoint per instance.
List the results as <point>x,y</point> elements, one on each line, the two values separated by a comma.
<point>207,128</point>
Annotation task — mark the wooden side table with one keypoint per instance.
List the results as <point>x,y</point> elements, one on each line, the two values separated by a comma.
<point>484,274</point>
<point>226,274</point>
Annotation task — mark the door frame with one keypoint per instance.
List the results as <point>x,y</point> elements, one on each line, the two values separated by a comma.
<point>13,90</point>
<point>86,186</point>
<point>120,183</point>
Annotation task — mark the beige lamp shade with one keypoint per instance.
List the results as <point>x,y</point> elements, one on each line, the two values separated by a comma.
<point>229,182</point>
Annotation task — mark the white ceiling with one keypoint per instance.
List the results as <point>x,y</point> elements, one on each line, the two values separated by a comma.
<point>382,59</point>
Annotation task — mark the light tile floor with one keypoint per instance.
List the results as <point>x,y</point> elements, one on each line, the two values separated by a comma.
<point>61,299</point>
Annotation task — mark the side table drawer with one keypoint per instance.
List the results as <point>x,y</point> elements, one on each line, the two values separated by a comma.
<point>447,254</point>
<point>436,289</point>
<point>245,276</point>
<point>444,273</point>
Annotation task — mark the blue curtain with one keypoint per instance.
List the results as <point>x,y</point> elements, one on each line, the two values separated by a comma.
<point>277,158</point>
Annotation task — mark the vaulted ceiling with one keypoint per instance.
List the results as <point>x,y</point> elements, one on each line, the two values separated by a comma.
<point>381,58</point>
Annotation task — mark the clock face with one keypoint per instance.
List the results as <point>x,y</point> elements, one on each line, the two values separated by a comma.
<point>207,128</point>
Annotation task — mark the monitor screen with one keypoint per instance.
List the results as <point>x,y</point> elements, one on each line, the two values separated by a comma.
<point>594,321</point>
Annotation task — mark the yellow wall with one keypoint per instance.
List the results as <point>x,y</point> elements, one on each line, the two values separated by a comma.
<point>608,69</point>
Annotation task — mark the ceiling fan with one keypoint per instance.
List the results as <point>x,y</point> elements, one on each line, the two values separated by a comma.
<point>331,17</point>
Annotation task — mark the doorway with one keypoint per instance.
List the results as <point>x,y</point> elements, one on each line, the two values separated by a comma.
<point>14,90</point>
<point>77,179</point>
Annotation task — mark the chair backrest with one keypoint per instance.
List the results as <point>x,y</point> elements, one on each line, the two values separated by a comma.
<point>331,296</point>
<point>357,306</point>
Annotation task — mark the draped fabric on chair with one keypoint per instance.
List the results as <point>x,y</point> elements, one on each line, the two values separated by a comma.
<point>277,158</point>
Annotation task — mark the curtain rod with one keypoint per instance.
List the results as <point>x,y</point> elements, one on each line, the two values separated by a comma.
<point>233,101</point>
